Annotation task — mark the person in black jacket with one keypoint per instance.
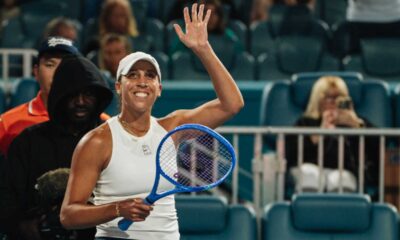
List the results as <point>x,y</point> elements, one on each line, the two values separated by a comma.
<point>78,96</point>
<point>330,107</point>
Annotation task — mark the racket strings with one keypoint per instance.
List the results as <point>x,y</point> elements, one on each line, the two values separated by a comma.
<point>195,158</point>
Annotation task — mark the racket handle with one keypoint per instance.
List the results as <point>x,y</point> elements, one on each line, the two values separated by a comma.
<point>124,223</point>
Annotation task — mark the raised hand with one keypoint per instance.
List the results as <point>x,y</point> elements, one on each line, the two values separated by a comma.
<point>196,35</point>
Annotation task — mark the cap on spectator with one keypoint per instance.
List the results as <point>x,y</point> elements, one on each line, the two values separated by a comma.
<point>127,62</point>
<point>57,44</point>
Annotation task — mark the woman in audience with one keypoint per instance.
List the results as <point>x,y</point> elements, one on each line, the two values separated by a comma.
<point>330,107</point>
<point>117,17</point>
<point>372,19</point>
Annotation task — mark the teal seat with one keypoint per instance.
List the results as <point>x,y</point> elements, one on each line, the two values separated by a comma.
<point>35,16</point>
<point>171,40</point>
<point>25,90</point>
<point>296,20</point>
<point>33,28</point>
<point>74,9</point>
<point>164,8</point>
<point>44,8</point>
<point>155,29</point>
<point>330,217</point>
<point>261,40</point>
<point>186,66</point>
<point>240,29</point>
<point>139,9</point>
<point>289,58</point>
<point>380,58</point>
<point>163,62</point>
<point>13,35</point>
<point>143,43</point>
<point>212,218</point>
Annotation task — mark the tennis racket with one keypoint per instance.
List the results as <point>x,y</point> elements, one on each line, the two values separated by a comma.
<point>193,158</point>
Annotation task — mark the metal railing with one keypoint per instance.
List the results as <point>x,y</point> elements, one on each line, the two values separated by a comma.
<point>280,132</point>
<point>27,56</point>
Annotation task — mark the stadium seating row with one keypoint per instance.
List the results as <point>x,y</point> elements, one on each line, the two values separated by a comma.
<point>277,60</point>
<point>308,216</point>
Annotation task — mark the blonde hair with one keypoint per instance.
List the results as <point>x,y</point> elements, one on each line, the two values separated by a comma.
<point>106,10</point>
<point>319,91</point>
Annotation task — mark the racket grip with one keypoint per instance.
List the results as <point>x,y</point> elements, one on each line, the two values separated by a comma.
<point>124,224</point>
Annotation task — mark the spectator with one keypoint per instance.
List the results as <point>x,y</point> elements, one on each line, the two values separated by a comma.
<point>17,119</point>
<point>62,27</point>
<point>116,16</point>
<point>113,47</point>
<point>9,9</point>
<point>330,107</point>
<point>371,19</point>
<point>79,94</point>
<point>259,11</point>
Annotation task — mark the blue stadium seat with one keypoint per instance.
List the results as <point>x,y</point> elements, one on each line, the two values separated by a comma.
<point>155,29</point>
<point>186,66</point>
<point>74,9</point>
<point>240,29</point>
<point>139,9</point>
<point>288,57</point>
<point>330,216</point>
<point>145,42</point>
<point>283,102</point>
<point>25,90</point>
<point>208,217</point>
<point>35,15</point>
<point>13,35</point>
<point>296,20</point>
<point>163,62</point>
<point>261,40</point>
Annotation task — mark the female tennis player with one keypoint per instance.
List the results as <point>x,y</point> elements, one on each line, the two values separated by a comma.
<point>116,161</point>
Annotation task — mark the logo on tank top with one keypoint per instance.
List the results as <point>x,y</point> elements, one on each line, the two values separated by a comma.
<point>146,149</point>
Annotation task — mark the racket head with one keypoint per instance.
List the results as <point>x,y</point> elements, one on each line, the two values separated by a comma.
<point>194,158</point>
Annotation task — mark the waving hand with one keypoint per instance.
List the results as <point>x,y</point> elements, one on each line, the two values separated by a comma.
<point>196,27</point>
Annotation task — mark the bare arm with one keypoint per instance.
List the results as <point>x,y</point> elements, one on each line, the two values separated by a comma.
<point>229,99</point>
<point>85,171</point>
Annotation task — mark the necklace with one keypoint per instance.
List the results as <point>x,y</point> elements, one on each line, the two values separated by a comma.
<point>132,130</point>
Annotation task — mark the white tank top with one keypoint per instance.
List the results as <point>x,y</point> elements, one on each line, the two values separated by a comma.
<point>373,10</point>
<point>129,174</point>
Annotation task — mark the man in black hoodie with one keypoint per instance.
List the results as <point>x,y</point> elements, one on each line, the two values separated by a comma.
<point>78,96</point>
